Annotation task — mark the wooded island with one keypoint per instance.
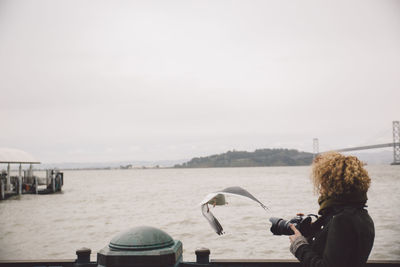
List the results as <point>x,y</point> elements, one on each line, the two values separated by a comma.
<point>258,158</point>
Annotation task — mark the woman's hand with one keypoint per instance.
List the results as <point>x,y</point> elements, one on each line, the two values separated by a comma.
<point>296,233</point>
<point>296,240</point>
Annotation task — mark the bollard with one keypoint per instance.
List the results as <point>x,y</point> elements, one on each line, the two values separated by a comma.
<point>141,246</point>
<point>83,257</point>
<point>202,255</point>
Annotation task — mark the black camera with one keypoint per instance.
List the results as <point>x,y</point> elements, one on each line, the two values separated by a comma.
<point>282,227</point>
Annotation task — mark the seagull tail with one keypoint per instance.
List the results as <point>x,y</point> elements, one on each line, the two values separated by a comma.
<point>219,229</point>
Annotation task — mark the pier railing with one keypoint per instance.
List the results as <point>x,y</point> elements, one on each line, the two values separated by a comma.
<point>151,247</point>
<point>212,263</point>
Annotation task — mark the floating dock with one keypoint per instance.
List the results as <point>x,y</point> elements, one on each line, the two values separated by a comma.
<point>26,182</point>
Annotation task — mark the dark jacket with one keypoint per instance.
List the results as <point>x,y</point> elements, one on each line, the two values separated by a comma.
<point>346,239</point>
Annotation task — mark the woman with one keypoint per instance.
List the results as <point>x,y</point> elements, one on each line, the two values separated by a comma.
<point>344,234</point>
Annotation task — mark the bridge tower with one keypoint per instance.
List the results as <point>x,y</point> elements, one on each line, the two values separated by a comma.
<point>315,147</point>
<point>396,143</point>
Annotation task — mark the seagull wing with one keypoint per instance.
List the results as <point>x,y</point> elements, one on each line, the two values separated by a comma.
<point>218,198</point>
<point>211,219</point>
<point>238,191</point>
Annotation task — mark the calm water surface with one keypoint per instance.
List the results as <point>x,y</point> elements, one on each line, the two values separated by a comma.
<point>96,205</point>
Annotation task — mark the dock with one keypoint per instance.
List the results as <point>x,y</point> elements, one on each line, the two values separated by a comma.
<point>26,182</point>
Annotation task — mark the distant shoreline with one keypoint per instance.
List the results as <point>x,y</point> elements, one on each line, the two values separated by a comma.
<point>258,158</point>
<point>376,158</point>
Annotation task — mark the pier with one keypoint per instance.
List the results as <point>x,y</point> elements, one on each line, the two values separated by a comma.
<point>26,182</point>
<point>151,247</point>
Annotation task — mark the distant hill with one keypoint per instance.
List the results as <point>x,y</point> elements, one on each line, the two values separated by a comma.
<point>258,158</point>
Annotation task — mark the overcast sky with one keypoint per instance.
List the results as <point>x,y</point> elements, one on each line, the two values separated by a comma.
<point>87,81</point>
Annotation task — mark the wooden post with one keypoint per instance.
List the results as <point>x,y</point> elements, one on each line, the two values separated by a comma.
<point>53,183</point>
<point>36,185</point>
<point>2,190</point>
<point>47,177</point>
<point>20,180</point>
<point>8,183</point>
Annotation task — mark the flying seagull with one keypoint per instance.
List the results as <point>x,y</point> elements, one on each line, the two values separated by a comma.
<point>218,198</point>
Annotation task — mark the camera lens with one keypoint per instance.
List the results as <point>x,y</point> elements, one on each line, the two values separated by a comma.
<point>280,226</point>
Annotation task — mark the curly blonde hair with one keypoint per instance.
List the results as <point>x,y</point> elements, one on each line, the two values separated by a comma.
<point>336,174</point>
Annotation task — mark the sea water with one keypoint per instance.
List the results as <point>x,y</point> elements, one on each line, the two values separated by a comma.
<point>95,205</point>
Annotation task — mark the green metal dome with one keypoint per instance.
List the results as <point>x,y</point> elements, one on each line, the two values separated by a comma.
<point>141,238</point>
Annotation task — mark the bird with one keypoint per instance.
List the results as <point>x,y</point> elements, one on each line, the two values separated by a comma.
<point>218,199</point>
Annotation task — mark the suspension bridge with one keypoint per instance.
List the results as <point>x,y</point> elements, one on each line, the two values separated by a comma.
<point>395,144</point>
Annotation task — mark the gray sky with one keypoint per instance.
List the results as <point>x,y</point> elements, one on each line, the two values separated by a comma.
<point>87,81</point>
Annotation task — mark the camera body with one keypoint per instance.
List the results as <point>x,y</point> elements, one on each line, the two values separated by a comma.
<point>282,227</point>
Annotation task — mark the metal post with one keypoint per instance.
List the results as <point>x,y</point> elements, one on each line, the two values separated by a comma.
<point>396,143</point>
<point>8,182</point>
<point>315,147</point>
<point>30,171</point>
<point>202,256</point>
<point>20,180</point>
<point>83,257</point>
